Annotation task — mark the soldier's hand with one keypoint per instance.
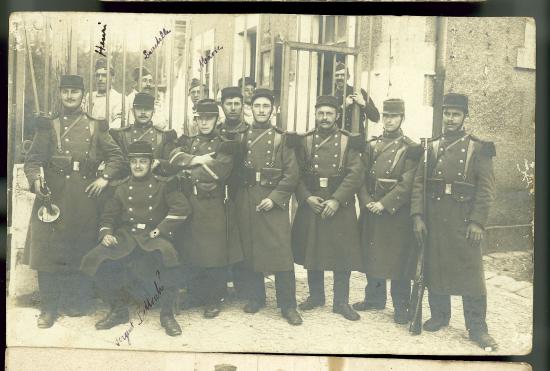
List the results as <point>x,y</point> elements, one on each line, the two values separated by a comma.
<point>349,100</point>
<point>419,229</point>
<point>154,233</point>
<point>376,208</point>
<point>109,240</point>
<point>474,234</point>
<point>95,188</point>
<point>330,207</point>
<point>358,98</point>
<point>315,203</point>
<point>37,185</point>
<point>265,205</point>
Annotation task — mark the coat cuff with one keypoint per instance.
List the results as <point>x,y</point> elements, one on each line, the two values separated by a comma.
<point>181,159</point>
<point>170,224</point>
<point>279,198</point>
<point>103,231</point>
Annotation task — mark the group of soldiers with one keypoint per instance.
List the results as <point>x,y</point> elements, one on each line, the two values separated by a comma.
<point>138,206</point>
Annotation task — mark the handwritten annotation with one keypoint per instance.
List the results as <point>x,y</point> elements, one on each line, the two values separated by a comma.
<point>100,49</point>
<point>203,60</point>
<point>163,33</point>
<point>148,303</point>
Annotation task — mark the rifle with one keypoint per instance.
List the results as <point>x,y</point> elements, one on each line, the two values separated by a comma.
<point>417,294</point>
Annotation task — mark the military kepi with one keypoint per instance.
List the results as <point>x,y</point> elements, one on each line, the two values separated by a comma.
<point>71,81</point>
<point>207,106</point>
<point>144,100</point>
<point>394,106</point>
<point>231,92</point>
<point>326,100</point>
<point>140,148</point>
<point>263,92</point>
<point>455,100</point>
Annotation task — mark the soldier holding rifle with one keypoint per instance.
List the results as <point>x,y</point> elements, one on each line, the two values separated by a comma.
<point>459,190</point>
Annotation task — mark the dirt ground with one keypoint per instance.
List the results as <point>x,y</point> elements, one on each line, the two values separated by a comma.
<point>509,320</point>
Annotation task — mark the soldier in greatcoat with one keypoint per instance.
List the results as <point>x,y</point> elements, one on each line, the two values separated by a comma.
<point>139,221</point>
<point>387,241</point>
<point>460,188</point>
<point>67,150</point>
<point>325,234</point>
<point>269,174</point>
<point>206,160</point>
<point>163,141</point>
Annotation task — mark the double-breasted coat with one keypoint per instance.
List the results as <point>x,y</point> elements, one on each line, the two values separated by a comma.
<point>137,207</point>
<point>210,238</point>
<point>460,188</point>
<point>332,168</point>
<point>70,149</point>
<point>389,248</point>
<point>163,142</point>
<point>269,170</point>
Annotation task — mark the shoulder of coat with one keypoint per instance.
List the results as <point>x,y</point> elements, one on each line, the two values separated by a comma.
<point>487,148</point>
<point>356,140</point>
<point>170,134</point>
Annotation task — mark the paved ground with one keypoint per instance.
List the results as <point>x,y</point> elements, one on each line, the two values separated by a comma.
<point>509,320</point>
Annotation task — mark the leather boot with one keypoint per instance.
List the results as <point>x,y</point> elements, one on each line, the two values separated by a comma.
<point>483,340</point>
<point>253,306</point>
<point>118,315</point>
<point>311,303</point>
<point>46,319</point>
<point>292,316</point>
<point>435,324</point>
<point>365,305</point>
<point>167,319</point>
<point>346,311</point>
<point>212,310</point>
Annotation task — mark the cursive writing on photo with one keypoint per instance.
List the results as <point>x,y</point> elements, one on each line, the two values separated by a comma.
<point>100,49</point>
<point>163,33</point>
<point>203,60</point>
<point>148,303</point>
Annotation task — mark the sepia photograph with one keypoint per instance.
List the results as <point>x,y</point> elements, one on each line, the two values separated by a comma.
<point>273,183</point>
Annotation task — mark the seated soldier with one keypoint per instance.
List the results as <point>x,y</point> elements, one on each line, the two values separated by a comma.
<point>139,222</point>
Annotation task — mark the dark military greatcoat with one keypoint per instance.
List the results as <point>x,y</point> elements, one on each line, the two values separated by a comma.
<point>459,191</point>
<point>331,169</point>
<point>163,141</point>
<point>70,148</point>
<point>137,207</point>
<point>204,240</point>
<point>269,170</point>
<point>389,249</point>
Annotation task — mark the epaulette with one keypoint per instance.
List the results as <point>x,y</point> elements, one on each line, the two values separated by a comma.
<point>161,178</point>
<point>487,148</point>
<point>229,147</point>
<point>292,139</point>
<point>307,133</point>
<point>183,140</point>
<point>414,150</point>
<point>116,182</point>
<point>278,129</point>
<point>373,139</point>
<point>356,140</point>
<point>122,128</point>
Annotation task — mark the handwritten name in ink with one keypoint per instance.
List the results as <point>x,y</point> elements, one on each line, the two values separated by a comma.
<point>148,304</point>
<point>203,60</point>
<point>100,49</point>
<point>163,33</point>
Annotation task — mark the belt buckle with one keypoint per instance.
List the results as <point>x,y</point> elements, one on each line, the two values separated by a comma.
<point>76,166</point>
<point>140,226</point>
<point>448,188</point>
<point>258,175</point>
<point>323,182</point>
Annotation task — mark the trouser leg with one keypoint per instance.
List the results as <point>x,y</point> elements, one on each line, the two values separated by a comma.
<point>255,287</point>
<point>400,293</point>
<point>341,287</point>
<point>76,297</point>
<point>49,290</point>
<point>440,305</point>
<point>316,283</point>
<point>375,291</point>
<point>109,281</point>
<point>239,279</point>
<point>475,312</point>
<point>214,284</point>
<point>285,286</point>
<point>167,288</point>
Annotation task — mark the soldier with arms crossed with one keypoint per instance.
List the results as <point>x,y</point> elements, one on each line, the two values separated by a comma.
<point>460,188</point>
